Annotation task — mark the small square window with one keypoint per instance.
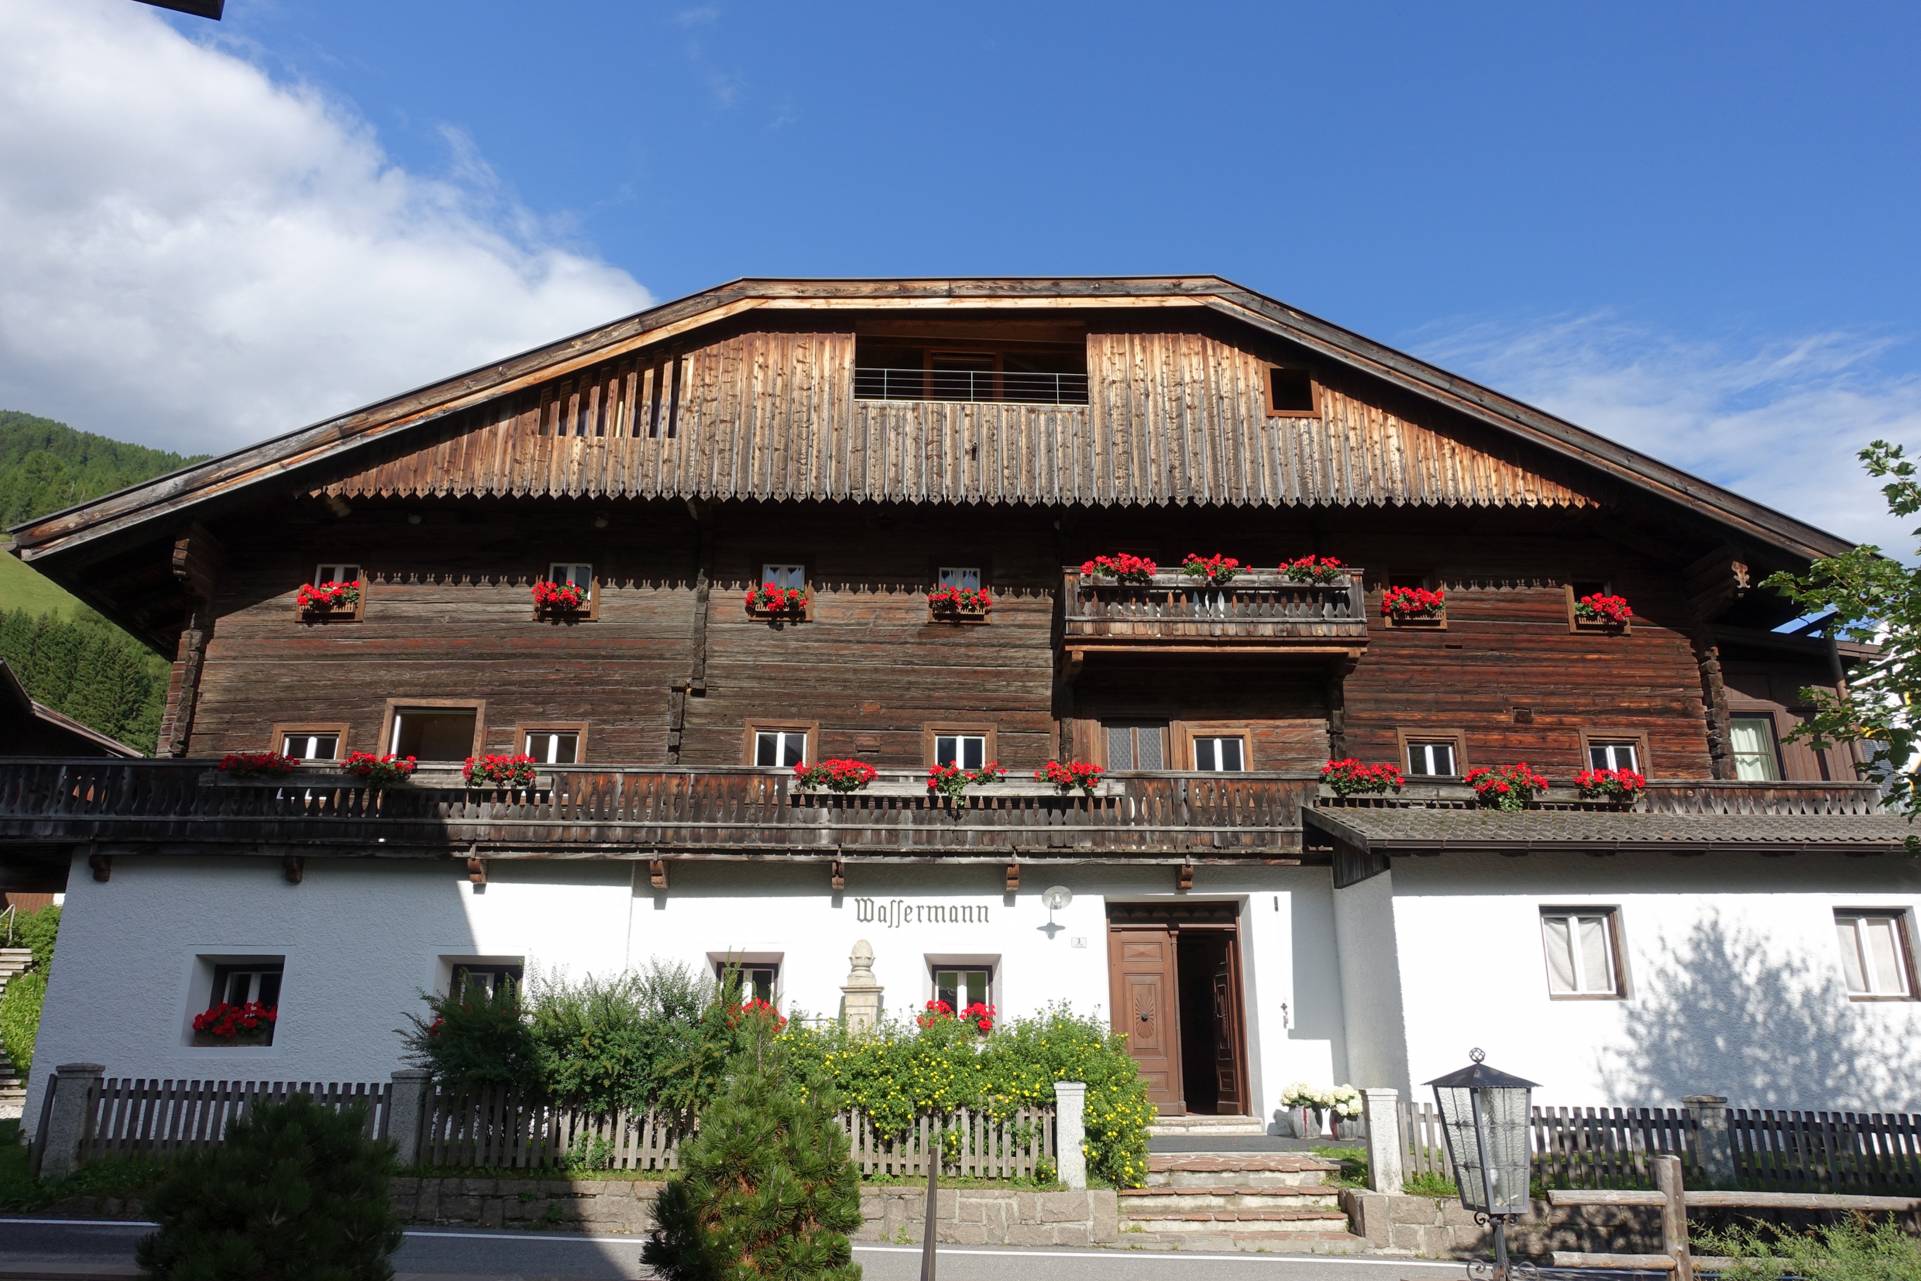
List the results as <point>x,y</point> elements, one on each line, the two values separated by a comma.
<point>759,980</point>
<point>552,746</point>
<point>969,751</point>
<point>310,744</point>
<point>1583,952</point>
<point>963,985</point>
<point>779,748</point>
<point>478,981</point>
<point>968,576</point>
<point>1291,392</point>
<point>1136,745</point>
<point>1433,758</point>
<point>1875,957</point>
<point>1220,753</point>
<point>1757,756</point>
<point>1614,753</point>
<point>579,574</point>
<point>784,575</point>
<point>239,981</point>
<point>336,573</point>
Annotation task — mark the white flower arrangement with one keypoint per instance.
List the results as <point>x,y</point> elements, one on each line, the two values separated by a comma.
<point>1346,1101</point>
<point>1302,1095</point>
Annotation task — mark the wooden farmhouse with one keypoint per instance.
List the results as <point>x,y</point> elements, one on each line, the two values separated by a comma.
<point>676,557</point>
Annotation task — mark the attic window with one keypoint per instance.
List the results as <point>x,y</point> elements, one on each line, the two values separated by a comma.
<point>1291,393</point>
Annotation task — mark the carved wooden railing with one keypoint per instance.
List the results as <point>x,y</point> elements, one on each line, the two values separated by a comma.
<point>185,806</point>
<point>1256,610</point>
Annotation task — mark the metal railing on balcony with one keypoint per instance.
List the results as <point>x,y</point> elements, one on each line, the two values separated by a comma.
<point>1256,610</point>
<point>1021,387</point>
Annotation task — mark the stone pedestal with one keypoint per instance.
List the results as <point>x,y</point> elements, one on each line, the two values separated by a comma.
<point>860,995</point>
<point>74,1088</point>
<point>1716,1150</point>
<point>1380,1109</point>
<point>407,1111</point>
<point>1070,1132</point>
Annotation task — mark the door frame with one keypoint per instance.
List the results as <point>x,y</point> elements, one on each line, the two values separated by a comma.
<point>1198,917</point>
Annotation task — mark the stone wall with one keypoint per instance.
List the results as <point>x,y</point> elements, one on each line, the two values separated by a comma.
<point>625,1207</point>
<point>1437,1227</point>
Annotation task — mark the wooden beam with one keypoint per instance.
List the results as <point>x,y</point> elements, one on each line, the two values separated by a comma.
<point>101,865</point>
<point>657,873</point>
<point>1013,879</point>
<point>837,876</point>
<point>1184,878</point>
<point>477,872</point>
<point>294,868</point>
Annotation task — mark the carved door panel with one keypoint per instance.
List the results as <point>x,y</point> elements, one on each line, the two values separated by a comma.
<point>1141,983</point>
<point>1225,991</point>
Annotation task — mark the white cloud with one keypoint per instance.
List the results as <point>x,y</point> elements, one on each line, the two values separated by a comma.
<point>197,256</point>
<point>1779,421</point>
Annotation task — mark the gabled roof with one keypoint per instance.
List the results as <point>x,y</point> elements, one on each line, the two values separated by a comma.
<point>16,702</point>
<point>172,499</point>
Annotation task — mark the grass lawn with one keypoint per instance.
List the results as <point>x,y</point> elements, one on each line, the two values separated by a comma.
<point>22,588</point>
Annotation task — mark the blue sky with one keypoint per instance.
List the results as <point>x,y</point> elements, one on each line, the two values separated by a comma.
<point>1689,226</point>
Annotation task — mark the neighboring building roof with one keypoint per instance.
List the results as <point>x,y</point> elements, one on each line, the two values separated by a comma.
<point>67,735</point>
<point>168,498</point>
<point>1417,829</point>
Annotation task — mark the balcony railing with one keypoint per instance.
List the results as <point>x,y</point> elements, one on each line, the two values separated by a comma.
<point>186,807</point>
<point>1024,387</point>
<point>1255,611</point>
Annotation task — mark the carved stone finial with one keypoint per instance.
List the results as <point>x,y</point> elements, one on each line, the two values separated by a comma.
<point>860,1001</point>
<point>862,959</point>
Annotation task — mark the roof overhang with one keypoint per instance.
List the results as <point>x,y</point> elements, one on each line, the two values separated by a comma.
<point>1420,830</point>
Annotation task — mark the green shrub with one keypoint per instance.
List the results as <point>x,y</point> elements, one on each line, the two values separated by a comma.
<point>632,1042</point>
<point>473,1039</point>
<point>20,1006</point>
<point>1848,1251</point>
<point>294,1194</point>
<point>766,1190</point>
<point>35,931</point>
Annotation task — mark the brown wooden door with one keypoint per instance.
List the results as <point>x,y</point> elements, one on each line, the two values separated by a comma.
<point>1226,992</point>
<point>1141,982</point>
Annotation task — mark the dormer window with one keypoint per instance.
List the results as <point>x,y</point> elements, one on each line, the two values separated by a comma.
<point>1292,392</point>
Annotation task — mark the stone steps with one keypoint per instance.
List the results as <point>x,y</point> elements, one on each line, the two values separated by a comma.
<point>1238,1201</point>
<point>1242,1169</point>
<point>1149,1201</point>
<point>1241,1222</point>
<point>1329,1242</point>
<point>1168,1126</point>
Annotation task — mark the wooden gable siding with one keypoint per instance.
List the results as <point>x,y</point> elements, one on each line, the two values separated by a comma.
<point>1172,418</point>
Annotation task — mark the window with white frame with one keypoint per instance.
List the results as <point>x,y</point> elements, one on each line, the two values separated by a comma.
<point>1756,754</point>
<point>434,733</point>
<point>484,980</point>
<point>310,744</point>
<point>578,573</point>
<point>963,985</point>
<point>1875,956</point>
<point>968,576</point>
<point>759,980</point>
<point>257,978</point>
<point>552,746</point>
<point>779,748</point>
<point>969,751</point>
<point>1433,758</point>
<point>1583,958</point>
<point>1220,753</point>
<point>344,572</point>
<point>784,575</point>
<point>1614,753</point>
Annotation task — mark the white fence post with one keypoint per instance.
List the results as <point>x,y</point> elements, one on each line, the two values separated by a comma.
<point>407,1112</point>
<point>1070,1132</point>
<point>74,1087</point>
<point>1381,1108</point>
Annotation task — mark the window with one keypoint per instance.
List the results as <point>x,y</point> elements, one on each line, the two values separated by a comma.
<point>1614,753</point>
<point>483,980</point>
<point>759,980</point>
<point>906,369</point>
<point>1756,754</point>
<point>1136,744</point>
<point>962,985</point>
<point>777,746</point>
<point>1291,392</point>
<point>968,576</point>
<point>434,731</point>
<point>1432,755</point>
<point>1583,956</point>
<point>1220,753</point>
<point>310,742</point>
<point>560,746</point>
<point>1874,954</point>
<point>254,979</point>
<point>784,575</point>
<point>969,751</point>
<point>580,575</point>
<point>341,573</point>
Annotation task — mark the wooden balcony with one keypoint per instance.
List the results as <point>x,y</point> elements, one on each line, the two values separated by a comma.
<point>1257,612</point>
<point>185,807</point>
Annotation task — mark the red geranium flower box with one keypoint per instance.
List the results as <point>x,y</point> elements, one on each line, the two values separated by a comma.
<point>838,774</point>
<point>1610,784</point>
<point>1602,612</point>
<point>1134,571</point>
<point>952,781</point>
<point>552,598</point>
<point>1314,569</point>
<point>226,1024</point>
<point>959,602</point>
<point>1070,775</point>
<point>770,600</point>
<point>257,764</point>
<point>1414,605</point>
<point>378,771</point>
<point>1216,569</point>
<point>1506,787</point>
<point>322,600</point>
<point>1349,776</point>
<point>500,770</point>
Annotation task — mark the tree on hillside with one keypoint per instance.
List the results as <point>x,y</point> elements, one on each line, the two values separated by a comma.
<point>47,465</point>
<point>1876,600</point>
<point>88,669</point>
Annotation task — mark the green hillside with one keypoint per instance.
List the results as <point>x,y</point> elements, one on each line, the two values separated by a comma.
<point>65,653</point>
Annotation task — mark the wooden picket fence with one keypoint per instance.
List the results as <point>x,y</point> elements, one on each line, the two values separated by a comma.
<point>1786,1150</point>
<point>143,1117</point>
<point>496,1129</point>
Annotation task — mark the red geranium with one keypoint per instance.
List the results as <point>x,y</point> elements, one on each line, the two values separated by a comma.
<point>1314,569</point>
<point>1122,568</point>
<point>1610,784</point>
<point>1507,787</point>
<point>1598,608</point>
<point>770,598</point>
<point>1068,775</point>
<point>317,597</point>
<point>1413,602</point>
<point>226,1022</point>
<point>836,775</point>
<point>979,1013</point>
<point>951,781</point>
<point>558,598</point>
<point>500,770</point>
<point>1349,775</point>
<point>1215,569</point>
<point>960,600</point>
<point>377,770</point>
<point>756,1009</point>
<point>257,764</point>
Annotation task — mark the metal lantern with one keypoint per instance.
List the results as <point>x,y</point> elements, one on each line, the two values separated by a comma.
<point>1484,1114</point>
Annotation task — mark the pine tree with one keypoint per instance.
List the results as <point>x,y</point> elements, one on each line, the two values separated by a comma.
<point>296,1193</point>
<point>766,1189</point>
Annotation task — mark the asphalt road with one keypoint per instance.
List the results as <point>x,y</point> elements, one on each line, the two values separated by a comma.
<point>69,1250</point>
